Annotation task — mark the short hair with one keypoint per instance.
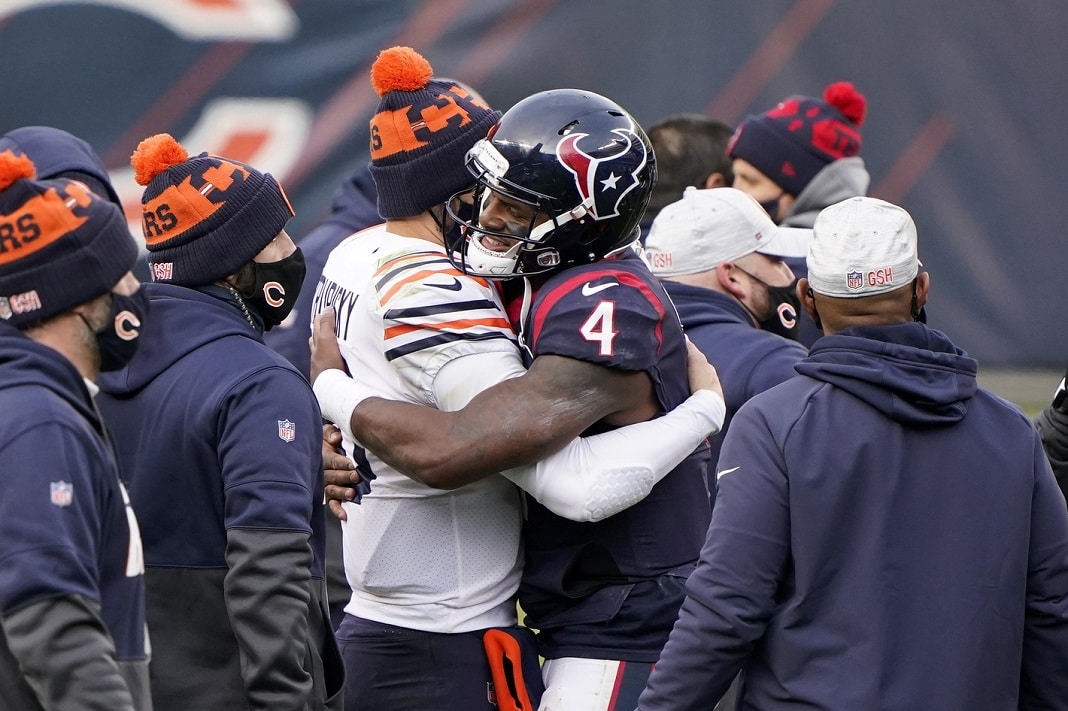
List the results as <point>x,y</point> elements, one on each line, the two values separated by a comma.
<point>688,147</point>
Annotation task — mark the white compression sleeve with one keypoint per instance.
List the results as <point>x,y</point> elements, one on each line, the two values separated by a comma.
<point>595,477</point>
<point>338,396</point>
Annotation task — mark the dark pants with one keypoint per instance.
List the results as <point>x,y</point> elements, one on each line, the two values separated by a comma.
<point>401,669</point>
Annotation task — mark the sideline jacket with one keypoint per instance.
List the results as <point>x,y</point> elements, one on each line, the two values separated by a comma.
<point>220,440</point>
<point>887,536</point>
<point>612,589</point>
<point>72,606</point>
<point>748,359</point>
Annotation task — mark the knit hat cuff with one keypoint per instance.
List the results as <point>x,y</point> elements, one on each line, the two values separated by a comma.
<point>778,155</point>
<point>218,252</point>
<point>68,279</point>
<point>417,183</point>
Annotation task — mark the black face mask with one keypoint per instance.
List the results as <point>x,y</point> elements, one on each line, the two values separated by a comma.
<point>785,309</point>
<point>117,341</point>
<point>277,288</point>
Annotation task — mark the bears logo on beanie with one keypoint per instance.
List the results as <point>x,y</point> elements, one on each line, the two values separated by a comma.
<point>421,133</point>
<point>794,141</point>
<point>203,217</point>
<point>60,244</point>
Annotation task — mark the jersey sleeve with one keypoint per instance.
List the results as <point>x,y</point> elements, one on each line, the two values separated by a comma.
<point>612,318</point>
<point>432,313</point>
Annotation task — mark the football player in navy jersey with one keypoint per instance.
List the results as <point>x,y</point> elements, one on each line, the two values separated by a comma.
<point>562,182</point>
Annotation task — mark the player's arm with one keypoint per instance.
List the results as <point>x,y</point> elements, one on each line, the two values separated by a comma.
<point>514,423</point>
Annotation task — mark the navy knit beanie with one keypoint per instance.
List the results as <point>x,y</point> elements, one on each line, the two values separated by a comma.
<point>58,154</point>
<point>60,244</point>
<point>203,217</point>
<point>421,133</point>
<point>794,141</point>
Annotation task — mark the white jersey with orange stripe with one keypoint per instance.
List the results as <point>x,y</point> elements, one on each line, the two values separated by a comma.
<point>427,559</point>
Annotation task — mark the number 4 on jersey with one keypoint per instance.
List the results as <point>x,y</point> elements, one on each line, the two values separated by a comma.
<point>598,328</point>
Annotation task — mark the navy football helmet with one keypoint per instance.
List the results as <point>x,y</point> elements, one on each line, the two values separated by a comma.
<point>576,157</point>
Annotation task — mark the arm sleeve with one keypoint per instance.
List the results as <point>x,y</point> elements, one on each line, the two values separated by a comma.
<point>595,477</point>
<point>271,460</point>
<point>66,655</point>
<point>1044,676</point>
<point>731,594</point>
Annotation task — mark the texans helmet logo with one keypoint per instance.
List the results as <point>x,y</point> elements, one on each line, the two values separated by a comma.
<point>604,181</point>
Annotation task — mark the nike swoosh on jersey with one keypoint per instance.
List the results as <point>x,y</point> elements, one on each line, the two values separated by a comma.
<point>725,472</point>
<point>589,289</point>
<point>454,286</point>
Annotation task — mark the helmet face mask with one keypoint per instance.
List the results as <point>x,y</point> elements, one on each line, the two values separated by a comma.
<point>582,168</point>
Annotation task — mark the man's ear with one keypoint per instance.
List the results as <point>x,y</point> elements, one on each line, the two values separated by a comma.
<point>727,275</point>
<point>716,180</point>
<point>807,297</point>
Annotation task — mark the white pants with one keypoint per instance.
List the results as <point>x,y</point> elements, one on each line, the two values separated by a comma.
<point>572,683</point>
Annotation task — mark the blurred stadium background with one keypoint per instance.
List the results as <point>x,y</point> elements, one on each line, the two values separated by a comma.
<point>966,100</point>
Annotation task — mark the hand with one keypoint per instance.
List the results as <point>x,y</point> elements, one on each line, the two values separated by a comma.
<point>340,475</point>
<point>702,374</point>
<point>325,352</point>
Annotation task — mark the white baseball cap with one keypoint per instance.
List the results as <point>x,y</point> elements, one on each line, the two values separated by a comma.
<point>715,225</point>
<point>862,246</point>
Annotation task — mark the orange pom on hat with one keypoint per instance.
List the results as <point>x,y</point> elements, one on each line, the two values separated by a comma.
<point>400,69</point>
<point>421,133</point>
<point>203,217</point>
<point>63,245</point>
<point>14,167</point>
<point>154,155</point>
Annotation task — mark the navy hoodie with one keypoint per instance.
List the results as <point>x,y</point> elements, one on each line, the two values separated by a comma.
<point>71,574</point>
<point>887,536</point>
<point>220,438</point>
<point>748,359</point>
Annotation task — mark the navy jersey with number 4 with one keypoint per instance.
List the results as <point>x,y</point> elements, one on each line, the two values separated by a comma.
<point>612,589</point>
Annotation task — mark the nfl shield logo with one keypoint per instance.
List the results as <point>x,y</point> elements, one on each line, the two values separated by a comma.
<point>854,280</point>
<point>62,493</point>
<point>286,430</point>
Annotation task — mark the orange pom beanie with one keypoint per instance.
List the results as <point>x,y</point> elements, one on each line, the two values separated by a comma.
<point>203,217</point>
<point>60,244</point>
<point>421,133</point>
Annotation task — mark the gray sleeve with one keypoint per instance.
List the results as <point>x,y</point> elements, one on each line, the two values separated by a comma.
<point>1052,425</point>
<point>66,655</point>
<point>267,599</point>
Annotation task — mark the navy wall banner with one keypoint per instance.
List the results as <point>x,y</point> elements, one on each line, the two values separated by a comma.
<point>967,103</point>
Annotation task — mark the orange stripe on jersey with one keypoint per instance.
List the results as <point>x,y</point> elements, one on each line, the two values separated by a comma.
<point>401,282</point>
<point>401,261</point>
<point>457,325</point>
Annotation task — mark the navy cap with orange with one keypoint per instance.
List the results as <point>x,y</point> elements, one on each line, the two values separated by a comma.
<point>204,217</point>
<point>421,133</point>
<point>60,244</point>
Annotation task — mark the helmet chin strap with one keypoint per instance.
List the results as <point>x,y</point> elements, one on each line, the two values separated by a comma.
<point>528,299</point>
